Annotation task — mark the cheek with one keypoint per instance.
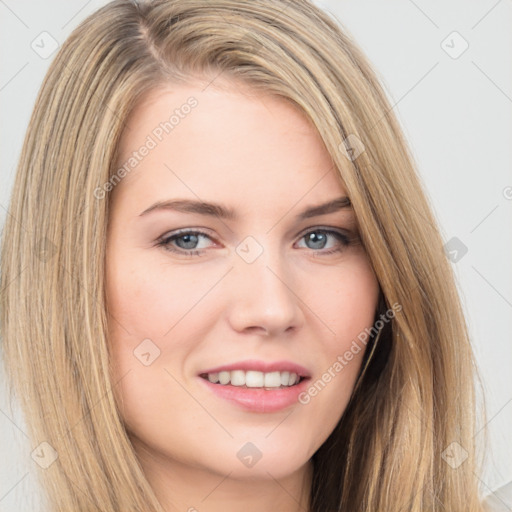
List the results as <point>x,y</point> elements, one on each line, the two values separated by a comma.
<point>133,294</point>
<point>155,322</point>
<point>146,300</point>
<point>345,303</point>
<point>144,308</point>
<point>347,306</point>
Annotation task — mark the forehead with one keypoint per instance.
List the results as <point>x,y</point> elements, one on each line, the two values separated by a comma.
<point>221,141</point>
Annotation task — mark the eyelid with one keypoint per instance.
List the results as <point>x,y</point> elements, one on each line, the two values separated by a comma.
<point>346,238</point>
<point>185,231</point>
<point>207,232</point>
<point>341,231</point>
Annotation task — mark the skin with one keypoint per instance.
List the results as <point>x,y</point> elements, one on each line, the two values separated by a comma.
<point>260,156</point>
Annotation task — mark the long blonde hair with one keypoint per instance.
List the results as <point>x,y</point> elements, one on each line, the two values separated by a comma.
<point>417,397</point>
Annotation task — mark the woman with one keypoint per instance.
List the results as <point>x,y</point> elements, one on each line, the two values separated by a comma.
<point>226,285</point>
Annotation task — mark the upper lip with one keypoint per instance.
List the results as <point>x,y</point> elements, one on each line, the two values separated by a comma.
<point>261,366</point>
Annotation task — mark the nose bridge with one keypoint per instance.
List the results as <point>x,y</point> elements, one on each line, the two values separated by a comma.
<point>263,295</point>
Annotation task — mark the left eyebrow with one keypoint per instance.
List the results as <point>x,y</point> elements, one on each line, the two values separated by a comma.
<point>323,209</point>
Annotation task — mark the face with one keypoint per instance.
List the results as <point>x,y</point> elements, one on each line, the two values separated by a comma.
<point>260,288</point>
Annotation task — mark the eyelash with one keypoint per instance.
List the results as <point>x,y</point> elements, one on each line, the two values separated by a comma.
<point>166,241</point>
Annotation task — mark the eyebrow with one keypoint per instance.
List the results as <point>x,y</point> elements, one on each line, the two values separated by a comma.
<point>218,210</point>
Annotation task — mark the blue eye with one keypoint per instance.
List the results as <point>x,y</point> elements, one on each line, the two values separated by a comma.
<point>319,239</point>
<point>188,242</point>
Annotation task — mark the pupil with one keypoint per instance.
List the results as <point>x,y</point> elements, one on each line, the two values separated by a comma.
<point>318,240</point>
<point>189,241</point>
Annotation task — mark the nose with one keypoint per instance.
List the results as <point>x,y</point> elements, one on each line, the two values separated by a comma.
<point>263,297</point>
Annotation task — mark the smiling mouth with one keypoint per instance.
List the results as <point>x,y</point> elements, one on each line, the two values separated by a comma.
<point>252,379</point>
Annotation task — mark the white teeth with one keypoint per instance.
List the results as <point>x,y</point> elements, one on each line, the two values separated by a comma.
<point>238,378</point>
<point>272,380</point>
<point>224,377</point>
<point>255,379</point>
<point>213,377</point>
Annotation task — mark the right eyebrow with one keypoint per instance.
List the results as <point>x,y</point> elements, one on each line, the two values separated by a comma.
<point>190,206</point>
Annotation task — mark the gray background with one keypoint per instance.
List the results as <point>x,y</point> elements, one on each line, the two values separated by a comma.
<point>456,113</point>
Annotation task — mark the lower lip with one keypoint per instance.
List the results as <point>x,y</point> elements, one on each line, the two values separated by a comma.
<point>258,399</point>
